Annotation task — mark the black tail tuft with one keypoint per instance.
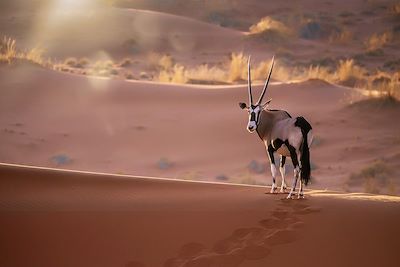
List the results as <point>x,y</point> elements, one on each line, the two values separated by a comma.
<point>305,172</point>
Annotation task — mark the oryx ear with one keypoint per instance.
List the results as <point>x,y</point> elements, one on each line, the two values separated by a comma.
<point>242,105</point>
<point>267,103</point>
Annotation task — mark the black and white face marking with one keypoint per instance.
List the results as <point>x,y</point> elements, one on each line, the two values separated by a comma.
<point>254,116</point>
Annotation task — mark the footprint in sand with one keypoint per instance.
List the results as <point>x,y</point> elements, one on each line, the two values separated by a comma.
<point>253,243</point>
<point>281,237</point>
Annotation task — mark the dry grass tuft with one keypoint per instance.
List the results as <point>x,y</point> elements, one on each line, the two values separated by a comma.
<point>205,73</point>
<point>158,61</point>
<point>377,41</point>
<point>175,75</point>
<point>349,74</point>
<point>342,37</point>
<point>9,53</point>
<point>268,23</point>
<point>395,9</point>
<point>237,67</point>
<point>8,50</point>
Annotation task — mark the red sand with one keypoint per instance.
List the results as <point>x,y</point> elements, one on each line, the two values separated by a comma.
<point>55,218</point>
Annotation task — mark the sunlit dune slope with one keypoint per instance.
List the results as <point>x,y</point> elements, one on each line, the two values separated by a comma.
<point>68,28</point>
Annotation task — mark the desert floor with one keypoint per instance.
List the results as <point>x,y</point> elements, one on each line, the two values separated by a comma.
<point>102,163</point>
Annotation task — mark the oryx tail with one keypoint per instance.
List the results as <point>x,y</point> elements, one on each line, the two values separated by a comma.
<point>305,170</point>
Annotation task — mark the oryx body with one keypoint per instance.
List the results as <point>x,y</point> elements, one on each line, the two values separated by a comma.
<point>289,137</point>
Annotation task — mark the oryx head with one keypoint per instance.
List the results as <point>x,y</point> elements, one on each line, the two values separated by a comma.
<point>254,110</point>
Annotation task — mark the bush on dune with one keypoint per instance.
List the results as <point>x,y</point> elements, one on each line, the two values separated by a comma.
<point>372,178</point>
<point>9,53</point>
<point>270,30</point>
<point>377,41</point>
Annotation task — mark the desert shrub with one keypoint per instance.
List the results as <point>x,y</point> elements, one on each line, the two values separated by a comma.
<point>348,73</point>
<point>71,62</point>
<point>342,37</point>
<point>126,62</point>
<point>371,177</point>
<point>237,67</point>
<point>395,10</point>
<point>129,76</point>
<point>9,53</point>
<point>8,50</point>
<point>82,62</point>
<point>144,75</point>
<point>176,75</point>
<point>319,72</point>
<point>376,41</point>
<point>166,62</point>
<point>385,83</point>
<point>270,30</point>
<point>158,61</point>
<point>268,23</point>
<point>205,73</point>
<point>34,55</point>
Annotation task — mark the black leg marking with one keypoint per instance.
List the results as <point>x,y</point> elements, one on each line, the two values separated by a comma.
<point>293,154</point>
<point>283,161</point>
<point>271,151</point>
<point>277,143</point>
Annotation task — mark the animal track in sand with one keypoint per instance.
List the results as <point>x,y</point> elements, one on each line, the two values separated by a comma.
<point>252,243</point>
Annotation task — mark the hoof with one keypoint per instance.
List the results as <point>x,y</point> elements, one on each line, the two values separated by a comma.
<point>273,189</point>
<point>300,196</point>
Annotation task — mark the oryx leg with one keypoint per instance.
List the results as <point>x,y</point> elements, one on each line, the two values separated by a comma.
<point>283,172</point>
<point>293,156</point>
<point>271,151</point>
<point>301,194</point>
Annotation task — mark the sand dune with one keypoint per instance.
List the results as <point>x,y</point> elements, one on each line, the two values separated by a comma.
<point>64,30</point>
<point>57,119</point>
<point>58,218</point>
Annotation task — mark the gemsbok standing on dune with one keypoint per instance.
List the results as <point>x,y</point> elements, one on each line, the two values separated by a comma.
<point>283,134</point>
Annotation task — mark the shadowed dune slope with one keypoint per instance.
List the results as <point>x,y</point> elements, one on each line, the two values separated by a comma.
<point>57,119</point>
<point>58,218</point>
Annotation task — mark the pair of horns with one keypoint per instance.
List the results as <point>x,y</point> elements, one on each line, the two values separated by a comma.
<point>265,85</point>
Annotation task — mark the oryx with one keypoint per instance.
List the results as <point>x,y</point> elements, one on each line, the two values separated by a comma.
<point>283,134</point>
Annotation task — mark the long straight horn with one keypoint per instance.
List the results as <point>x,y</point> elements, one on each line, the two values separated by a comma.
<point>249,82</point>
<point>266,82</point>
